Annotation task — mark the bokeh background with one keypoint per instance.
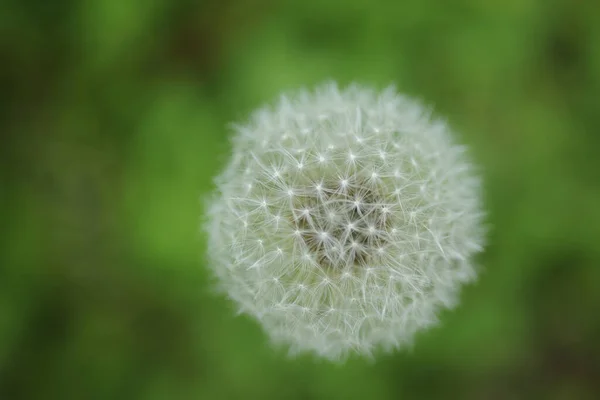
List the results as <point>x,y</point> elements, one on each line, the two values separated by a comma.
<point>113,120</point>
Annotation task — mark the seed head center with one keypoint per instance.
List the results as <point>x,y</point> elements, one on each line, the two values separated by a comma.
<point>342,226</point>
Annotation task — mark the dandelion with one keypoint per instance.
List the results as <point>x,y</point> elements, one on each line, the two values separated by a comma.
<point>345,220</point>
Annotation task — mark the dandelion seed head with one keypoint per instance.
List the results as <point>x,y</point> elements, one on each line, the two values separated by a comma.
<point>365,229</point>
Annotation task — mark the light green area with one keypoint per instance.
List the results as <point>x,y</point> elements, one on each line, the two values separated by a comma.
<point>114,119</point>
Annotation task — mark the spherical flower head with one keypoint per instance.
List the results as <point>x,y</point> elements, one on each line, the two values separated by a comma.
<point>345,219</point>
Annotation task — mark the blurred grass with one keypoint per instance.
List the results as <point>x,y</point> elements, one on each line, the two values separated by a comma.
<point>113,117</point>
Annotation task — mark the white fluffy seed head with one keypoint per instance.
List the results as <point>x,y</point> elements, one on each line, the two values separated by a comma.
<point>344,220</point>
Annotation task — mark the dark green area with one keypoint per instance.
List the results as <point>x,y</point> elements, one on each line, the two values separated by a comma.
<point>113,119</point>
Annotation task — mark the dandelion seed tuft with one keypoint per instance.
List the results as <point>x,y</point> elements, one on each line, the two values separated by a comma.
<point>344,220</point>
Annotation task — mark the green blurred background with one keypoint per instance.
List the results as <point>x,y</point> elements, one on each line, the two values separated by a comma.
<point>113,121</point>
